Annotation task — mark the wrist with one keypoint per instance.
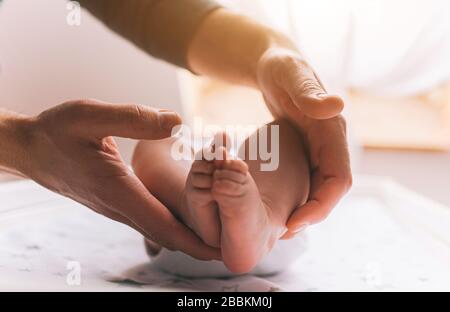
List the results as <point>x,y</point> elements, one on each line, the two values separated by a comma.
<point>15,136</point>
<point>229,46</point>
<point>279,41</point>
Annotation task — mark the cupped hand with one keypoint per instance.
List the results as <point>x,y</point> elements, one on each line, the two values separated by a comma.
<point>71,151</point>
<point>292,90</point>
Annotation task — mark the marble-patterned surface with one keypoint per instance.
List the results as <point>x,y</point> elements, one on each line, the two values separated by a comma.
<point>381,238</point>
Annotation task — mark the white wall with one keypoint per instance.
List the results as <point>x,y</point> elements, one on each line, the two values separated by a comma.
<point>44,62</point>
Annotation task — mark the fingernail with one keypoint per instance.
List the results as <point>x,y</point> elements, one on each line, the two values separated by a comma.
<point>301,228</point>
<point>168,120</point>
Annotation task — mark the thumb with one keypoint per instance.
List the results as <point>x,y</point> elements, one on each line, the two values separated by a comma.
<point>126,120</point>
<point>309,95</point>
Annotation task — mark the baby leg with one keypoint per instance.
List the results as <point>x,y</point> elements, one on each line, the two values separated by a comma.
<point>164,176</point>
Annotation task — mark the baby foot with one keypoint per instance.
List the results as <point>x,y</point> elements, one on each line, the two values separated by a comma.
<point>202,209</point>
<point>246,233</point>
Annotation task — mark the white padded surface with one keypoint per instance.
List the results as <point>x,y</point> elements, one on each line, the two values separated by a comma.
<point>381,237</point>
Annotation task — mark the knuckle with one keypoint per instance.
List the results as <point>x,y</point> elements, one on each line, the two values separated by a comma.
<point>84,102</point>
<point>146,115</point>
<point>76,111</point>
<point>73,113</point>
<point>137,112</point>
<point>308,86</point>
<point>78,108</point>
<point>139,116</point>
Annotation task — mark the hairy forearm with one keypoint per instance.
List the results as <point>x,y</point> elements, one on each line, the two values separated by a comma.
<point>13,141</point>
<point>228,46</point>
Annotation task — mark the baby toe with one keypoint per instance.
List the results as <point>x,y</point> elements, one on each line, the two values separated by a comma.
<point>203,167</point>
<point>202,181</point>
<point>228,188</point>
<point>235,176</point>
<point>235,165</point>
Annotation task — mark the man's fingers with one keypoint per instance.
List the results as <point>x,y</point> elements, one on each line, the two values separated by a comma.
<point>156,222</point>
<point>167,231</point>
<point>316,209</point>
<point>115,216</point>
<point>331,176</point>
<point>319,206</point>
<point>121,219</point>
<point>308,93</point>
<point>198,249</point>
<point>123,120</point>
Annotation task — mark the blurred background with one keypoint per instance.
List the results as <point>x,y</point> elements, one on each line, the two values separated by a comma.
<point>390,60</point>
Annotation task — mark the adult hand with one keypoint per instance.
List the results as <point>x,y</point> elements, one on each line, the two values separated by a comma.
<point>292,90</point>
<point>70,150</point>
